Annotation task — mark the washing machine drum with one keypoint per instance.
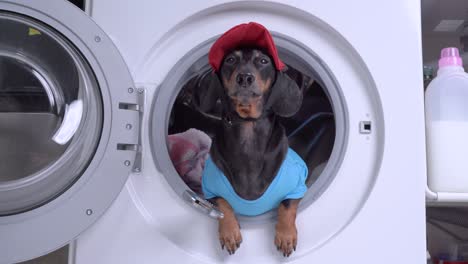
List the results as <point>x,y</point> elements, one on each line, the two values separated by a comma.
<point>65,94</point>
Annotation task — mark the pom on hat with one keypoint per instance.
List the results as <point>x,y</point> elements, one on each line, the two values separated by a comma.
<point>243,35</point>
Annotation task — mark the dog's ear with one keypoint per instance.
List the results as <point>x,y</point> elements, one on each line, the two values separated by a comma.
<point>207,91</point>
<point>302,80</point>
<point>285,97</point>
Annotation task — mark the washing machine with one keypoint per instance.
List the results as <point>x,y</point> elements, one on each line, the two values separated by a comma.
<point>85,108</point>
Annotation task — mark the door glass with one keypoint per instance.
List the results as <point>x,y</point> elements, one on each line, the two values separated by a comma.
<point>50,113</point>
<point>28,118</point>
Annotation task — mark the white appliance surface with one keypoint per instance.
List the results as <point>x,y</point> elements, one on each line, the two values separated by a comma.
<point>373,211</point>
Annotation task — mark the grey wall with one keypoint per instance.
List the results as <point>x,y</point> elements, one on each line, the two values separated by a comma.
<point>432,12</point>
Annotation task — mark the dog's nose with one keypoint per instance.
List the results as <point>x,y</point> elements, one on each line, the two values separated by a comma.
<point>245,79</point>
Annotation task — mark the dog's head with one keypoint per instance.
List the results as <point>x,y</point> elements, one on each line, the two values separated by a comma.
<point>252,85</point>
<point>248,75</point>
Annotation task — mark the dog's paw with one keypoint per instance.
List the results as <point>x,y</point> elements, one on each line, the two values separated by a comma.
<point>286,238</point>
<point>229,235</point>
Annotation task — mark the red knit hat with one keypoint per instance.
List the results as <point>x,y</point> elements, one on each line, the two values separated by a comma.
<point>243,35</point>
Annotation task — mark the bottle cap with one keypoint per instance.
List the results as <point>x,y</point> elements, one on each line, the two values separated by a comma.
<point>450,57</point>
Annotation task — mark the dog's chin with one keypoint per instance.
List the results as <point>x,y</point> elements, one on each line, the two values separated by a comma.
<point>247,112</point>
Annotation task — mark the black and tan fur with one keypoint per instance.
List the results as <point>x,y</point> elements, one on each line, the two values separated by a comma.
<point>250,144</point>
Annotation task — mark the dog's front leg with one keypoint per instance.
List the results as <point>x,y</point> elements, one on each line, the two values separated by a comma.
<point>286,232</point>
<point>229,229</point>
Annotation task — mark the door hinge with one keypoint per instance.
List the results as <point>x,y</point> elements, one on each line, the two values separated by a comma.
<point>134,108</point>
<point>141,99</point>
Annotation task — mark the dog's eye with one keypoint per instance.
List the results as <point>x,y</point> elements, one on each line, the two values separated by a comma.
<point>230,60</point>
<point>264,61</point>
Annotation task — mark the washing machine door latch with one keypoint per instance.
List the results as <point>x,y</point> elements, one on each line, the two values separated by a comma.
<point>202,205</point>
<point>365,127</point>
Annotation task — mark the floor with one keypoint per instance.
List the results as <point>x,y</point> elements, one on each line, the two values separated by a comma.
<point>59,256</point>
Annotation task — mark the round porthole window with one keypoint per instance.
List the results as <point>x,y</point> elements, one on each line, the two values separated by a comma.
<point>63,96</point>
<point>318,132</point>
<point>50,113</point>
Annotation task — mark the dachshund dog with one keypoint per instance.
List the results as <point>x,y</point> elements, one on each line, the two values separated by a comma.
<point>250,146</point>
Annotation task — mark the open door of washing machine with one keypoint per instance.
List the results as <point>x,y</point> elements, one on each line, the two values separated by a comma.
<point>69,125</point>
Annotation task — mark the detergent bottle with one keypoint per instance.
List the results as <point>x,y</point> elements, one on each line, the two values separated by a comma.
<point>446,104</point>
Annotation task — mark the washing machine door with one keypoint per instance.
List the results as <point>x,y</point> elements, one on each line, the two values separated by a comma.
<point>69,125</point>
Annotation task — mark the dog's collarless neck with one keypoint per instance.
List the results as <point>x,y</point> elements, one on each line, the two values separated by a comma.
<point>231,119</point>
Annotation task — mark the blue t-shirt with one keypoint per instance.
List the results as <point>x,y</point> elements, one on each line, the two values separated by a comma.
<point>289,183</point>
